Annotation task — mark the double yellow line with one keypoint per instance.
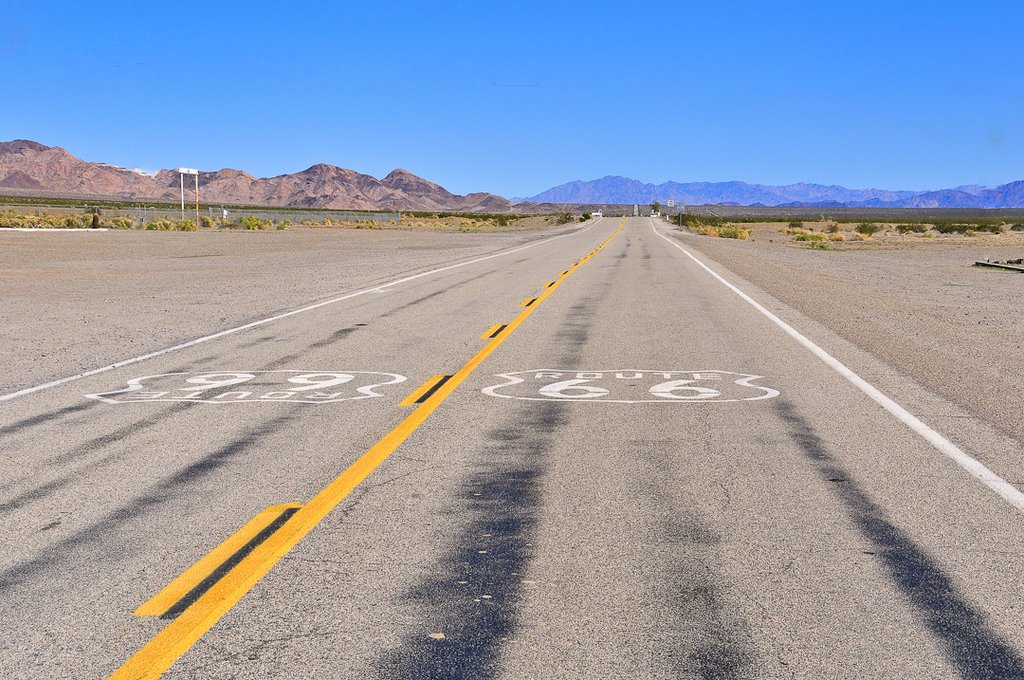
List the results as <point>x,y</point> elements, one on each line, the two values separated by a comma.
<point>160,653</point>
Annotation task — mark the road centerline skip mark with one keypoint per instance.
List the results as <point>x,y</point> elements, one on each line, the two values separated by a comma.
<point>173,592</point>
<point>493,331</point>
<point>424,391</point>
<point>278,317</point>
<point>167,646</point>
<point>976,468</point>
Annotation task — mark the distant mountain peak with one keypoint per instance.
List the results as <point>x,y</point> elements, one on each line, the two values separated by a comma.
<point>18,145</point>
<point>613,189</point>
<point>30,166</point>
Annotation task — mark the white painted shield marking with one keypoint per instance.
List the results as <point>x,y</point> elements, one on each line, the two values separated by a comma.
<point>629,386</point>
<point>230,387</point>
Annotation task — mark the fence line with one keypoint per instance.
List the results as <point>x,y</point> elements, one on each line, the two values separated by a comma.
<point>143,214</point>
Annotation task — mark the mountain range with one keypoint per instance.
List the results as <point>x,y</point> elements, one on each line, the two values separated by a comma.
<point>613,189</point>
<point>31,168</point>
<point>28,167</point>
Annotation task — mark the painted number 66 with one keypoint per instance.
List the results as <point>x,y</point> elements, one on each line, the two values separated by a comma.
<point>671,389</point>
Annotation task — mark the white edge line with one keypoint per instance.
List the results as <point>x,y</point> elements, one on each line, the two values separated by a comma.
<point>262,322</point>
<point>1007,491</point>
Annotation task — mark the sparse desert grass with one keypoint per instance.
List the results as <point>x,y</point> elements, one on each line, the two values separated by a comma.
<point>253,223</point>
<point>723,231</point>
<point>911,228</point>
<point>968,229</point>
<point>814,240</point>
<point>561,218</point>
<point>711,225</point>
<point>805,235</point>
<point>477,223</point>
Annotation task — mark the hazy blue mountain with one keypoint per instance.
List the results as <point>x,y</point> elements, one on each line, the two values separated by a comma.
<point>613,189</point>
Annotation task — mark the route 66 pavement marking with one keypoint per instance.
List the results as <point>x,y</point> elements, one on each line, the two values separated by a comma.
<point>631,386</point>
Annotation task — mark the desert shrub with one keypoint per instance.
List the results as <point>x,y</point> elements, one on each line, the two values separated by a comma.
<point>836,236</point>
<point>911,228</point>
<point>77,221</point>
<point>1017,227</point>
<point>868,228</point>
<point>796,224</point>
<point>253,223</point>
<point>724,231</point>
<point>283,224</point>
<point>832,228</point>
<point>990,228</point>
<point>310,223</point>
<point>205,222</point>
<point>815,240</point>
<point>583,218</point>
<point>161,225</point>
<point>561,218</point>
<point>9,218</point>
<point>692,221</point>
<point>967,229</point>
<point>120,223</point>
<point>185,225</point>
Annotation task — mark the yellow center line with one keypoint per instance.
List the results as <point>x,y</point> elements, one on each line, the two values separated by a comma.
<point>190,578</point>
<point>167,646</point>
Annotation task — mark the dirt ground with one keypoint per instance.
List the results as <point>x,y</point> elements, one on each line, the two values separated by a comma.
<point>886,239</point>
<point>917,303</point>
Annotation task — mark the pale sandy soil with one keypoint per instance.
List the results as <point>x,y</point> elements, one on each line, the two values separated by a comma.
<point>917,303</point>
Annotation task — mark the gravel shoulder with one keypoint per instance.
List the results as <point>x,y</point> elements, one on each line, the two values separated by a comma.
<point>74,301</point>
<point>922,308</point>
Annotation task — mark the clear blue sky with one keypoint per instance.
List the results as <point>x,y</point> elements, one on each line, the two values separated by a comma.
<point>517,97</point>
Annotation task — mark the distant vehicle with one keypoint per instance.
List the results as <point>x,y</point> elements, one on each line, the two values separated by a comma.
<point>655,214</point>
<point>597,214</point>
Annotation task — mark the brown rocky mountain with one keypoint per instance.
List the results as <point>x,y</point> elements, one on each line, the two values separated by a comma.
<point>27,166</point>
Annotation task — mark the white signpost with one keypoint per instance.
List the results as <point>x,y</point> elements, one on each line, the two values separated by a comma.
<point>181,181</point>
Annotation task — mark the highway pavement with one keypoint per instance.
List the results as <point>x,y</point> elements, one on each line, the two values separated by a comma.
<point>598,455</point>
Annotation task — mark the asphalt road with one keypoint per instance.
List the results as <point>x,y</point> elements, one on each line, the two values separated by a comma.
<point>642,473</point>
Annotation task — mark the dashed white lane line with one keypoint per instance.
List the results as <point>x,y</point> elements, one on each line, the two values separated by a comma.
<point>263,322</point>
<point>1007,491</point>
